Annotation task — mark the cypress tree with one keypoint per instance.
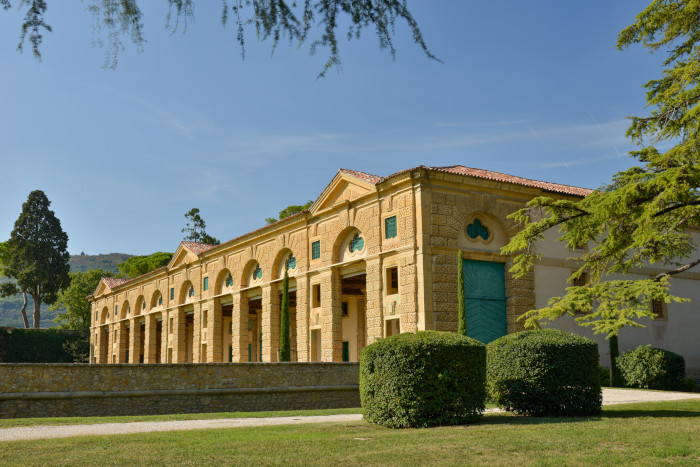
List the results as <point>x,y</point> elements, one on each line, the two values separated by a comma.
<point>462,330</point>
<point>285,349</point>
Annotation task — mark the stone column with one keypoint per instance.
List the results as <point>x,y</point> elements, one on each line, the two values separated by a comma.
<point>270,322</point>
<point>164,337</point>
<point>214,332</point>
<point>361,325</point>
<point>179,335</point>
<point>331,317</point>
<point>239,335</point>
<point>303,318</point>
<point>134,340</point>
<point>373,303</point>
<point>149,352</point>
<point>122,342</point>
<point>408,311</point>
<point>197,332</point>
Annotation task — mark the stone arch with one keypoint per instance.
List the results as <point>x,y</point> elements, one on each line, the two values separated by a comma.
<point>221,284</point>
<point>341,251</point>
<point>140,305</point>
<point>246,278</point>
<point>279,263</point>
<point>475,225</point>
<point>188,293</point>
<point>124,309</point>
<point>103,315</point>
<point>156,299</point>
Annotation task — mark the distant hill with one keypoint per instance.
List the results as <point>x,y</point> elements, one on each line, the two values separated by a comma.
<point>10,307</point>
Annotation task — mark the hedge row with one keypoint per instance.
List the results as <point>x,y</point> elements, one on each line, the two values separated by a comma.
<point>36,345</point>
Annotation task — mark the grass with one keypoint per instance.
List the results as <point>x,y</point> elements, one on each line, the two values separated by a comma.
<point>631,434</point>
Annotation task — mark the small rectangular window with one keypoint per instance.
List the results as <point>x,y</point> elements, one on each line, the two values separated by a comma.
<point>250,324</point>
<point>390,227</point>
<point>204,319</point>
<point>316,250</point>
<point>344,308</point>
<point>116,310</point>
<point>658,307</point>
<point>172,293</point>
<point>171,325</point>
<point>581,280</point>
<point>346,351</point>
<point>206,283</point>
<point>392,280</point>
<point>316,295</point>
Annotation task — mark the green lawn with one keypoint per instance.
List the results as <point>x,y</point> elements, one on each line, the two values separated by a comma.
<point>634,434</point>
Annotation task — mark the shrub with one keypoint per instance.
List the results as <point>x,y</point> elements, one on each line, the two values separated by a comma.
<point>39,345</point>
<point>604,375</point>
<point>425,379</point>
<point>649,368</point>
<point>544,373</point>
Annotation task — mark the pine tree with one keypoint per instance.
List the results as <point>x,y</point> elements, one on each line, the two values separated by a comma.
<point>285,344</point>
<point>646,215</point>
<point>462,329</point>
<point>37,253</point>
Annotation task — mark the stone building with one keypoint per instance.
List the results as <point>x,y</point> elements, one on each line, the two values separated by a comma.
<point>372,257</point>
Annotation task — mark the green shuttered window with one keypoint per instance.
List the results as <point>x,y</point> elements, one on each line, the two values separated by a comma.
<point>316,250</point>
<point>390,227</point>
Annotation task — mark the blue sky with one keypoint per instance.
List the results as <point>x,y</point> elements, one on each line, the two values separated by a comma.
<point>535,89</point>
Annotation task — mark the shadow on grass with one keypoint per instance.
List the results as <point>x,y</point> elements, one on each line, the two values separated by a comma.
<point>517,419</point>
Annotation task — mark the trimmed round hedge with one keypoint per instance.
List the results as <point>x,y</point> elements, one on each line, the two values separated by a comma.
<point>544,373</point>
<point>650,368</point>
<point>429,378</point>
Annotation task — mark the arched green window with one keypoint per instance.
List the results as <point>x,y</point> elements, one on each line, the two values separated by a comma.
<point>291,262</point>
<point>229,281</point>
<point>257,273</point>
<point>476,229</point>
<point>191,292</point>
<point>356,244</point>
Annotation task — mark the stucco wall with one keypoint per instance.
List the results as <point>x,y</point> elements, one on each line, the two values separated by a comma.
<point>59,390</point>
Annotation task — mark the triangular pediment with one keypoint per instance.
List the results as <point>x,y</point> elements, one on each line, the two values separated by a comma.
<point>181,257</point>
<point>102,288</point>
<point>341,189</point>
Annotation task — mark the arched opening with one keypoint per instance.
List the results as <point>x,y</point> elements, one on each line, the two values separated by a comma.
<point>104,314</point>
<point>156,300</point>
<point>349,246</point>
<point>353,286</point>
<point>140,307</point>
<point>188,294</point>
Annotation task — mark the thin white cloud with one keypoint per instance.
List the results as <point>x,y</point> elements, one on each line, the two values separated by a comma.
<point>187,126</point>
<point>481,123</point>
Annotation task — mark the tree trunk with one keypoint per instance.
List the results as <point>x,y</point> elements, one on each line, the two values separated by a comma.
<point>615,378</point>
<point>24,310</point>
<point>37,311</point>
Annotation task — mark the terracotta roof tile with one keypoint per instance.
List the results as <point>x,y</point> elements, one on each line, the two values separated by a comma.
<point>113,282</point>
<point>197,248</point>
<point>363,176</point>
<point>501,177</point>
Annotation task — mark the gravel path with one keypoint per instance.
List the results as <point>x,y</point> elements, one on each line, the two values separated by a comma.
<point>610,396</point>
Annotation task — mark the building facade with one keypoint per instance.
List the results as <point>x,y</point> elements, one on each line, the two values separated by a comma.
<point>373,256</point>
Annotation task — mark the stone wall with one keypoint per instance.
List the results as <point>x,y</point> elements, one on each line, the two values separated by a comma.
<point>60,390</point>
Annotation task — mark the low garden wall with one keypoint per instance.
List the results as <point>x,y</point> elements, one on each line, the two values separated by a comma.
<point>59,390</point>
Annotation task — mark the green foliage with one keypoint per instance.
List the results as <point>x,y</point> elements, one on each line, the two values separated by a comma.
<point>289,211</point>
<point>272,20</point>
<point>72,299</point>
<point>285,342</point>
<point>425,379</point>
<point>107,262</point>
<point>461,296</point>
<point>615,378</point>
<point>649,368</point>
<point>37,345</point>
<point>195,229</point>
<point>544,373</point>
<point>604,375</point>
<point>136,266</point>
<point>644,214</point>
<point>36,253</point>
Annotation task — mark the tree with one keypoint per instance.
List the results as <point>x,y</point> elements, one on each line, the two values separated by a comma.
<point>285,344</point>
<point>139,265</point>
<point>462,296</point>
<point>645,215</point>
<point>195,229</point>
<point>271,19</point>
<point>78,310</point>
<point>289,211</point>
<point>72,299</point>
<point>36,253</point>
<point>8,289</point>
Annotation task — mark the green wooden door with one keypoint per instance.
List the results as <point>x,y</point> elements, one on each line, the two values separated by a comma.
<point>485,297</point>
